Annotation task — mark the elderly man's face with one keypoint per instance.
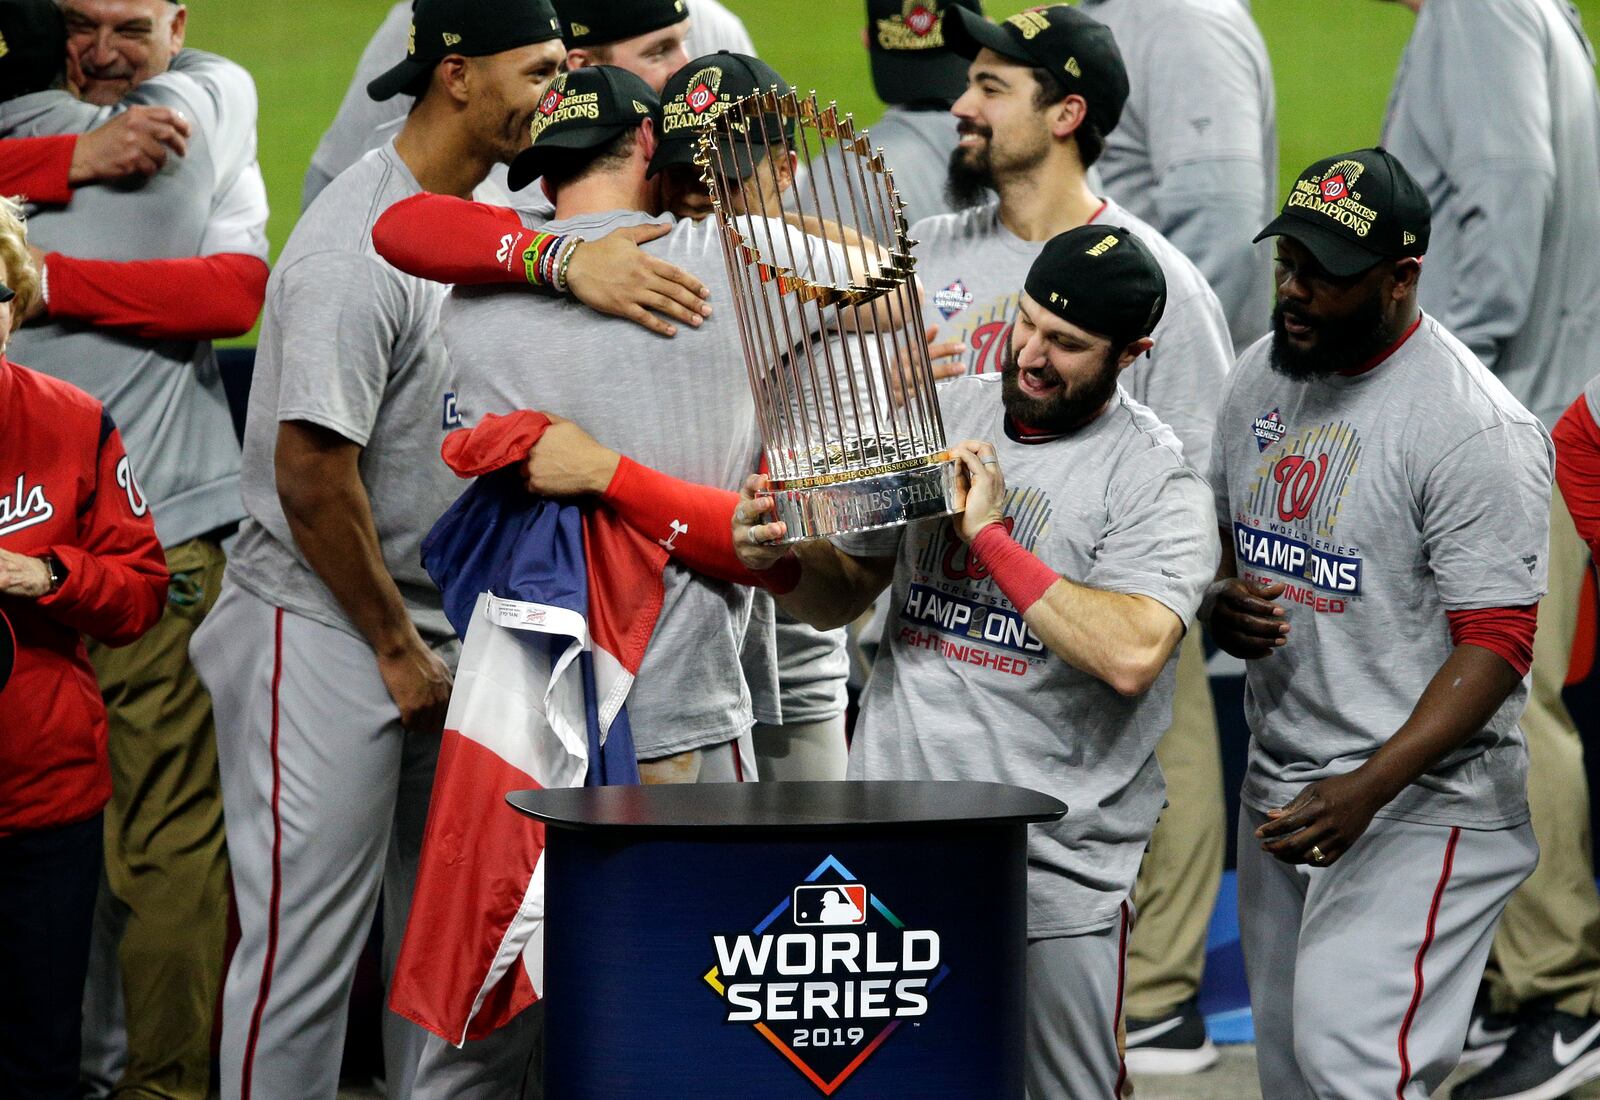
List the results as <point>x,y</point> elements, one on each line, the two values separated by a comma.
<point>113,46</point>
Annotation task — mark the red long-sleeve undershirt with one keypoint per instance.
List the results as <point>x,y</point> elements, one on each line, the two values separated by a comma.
<point>450,240</point>
<point>1577,439</point>
<point>192,298</point>
<point>38,168</point>
<point>693,522</point>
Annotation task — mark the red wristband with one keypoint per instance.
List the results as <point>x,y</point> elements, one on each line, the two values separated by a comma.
<point>1020,574</point>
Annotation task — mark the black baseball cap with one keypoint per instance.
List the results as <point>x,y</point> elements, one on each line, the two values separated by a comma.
<point>1077,50</point>
<point>1355,209</point>
<point>1101,278</point>
<point>471,28</point>
<point>33,35</point>
<point>588,23</point>
<point>581,112</point>
<point>906,46</point>
<point>700,91</point>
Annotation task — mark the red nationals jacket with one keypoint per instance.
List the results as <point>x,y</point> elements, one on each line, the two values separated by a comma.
<point>66,488</point>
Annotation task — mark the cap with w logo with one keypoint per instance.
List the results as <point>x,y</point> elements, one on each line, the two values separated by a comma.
<point>700,91</point>
<point>911,62</point>
<point>1353,210</point>
<point>471,28</point>
<point>581,113</point>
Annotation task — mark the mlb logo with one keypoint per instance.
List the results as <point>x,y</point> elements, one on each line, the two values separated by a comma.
<point>830,906</point>
<point>700,98</point>
<point>921,21</point>
<point>1334,187</point>
<point>551,101</point>
<point>952,299</point>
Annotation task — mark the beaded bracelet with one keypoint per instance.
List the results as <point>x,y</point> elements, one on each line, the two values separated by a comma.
<point>569,246</point>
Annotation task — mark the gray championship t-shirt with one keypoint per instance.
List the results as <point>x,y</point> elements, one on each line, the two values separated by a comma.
<point>972,270</point>
<point>1195,153</point>
<point>1381,501</point>
<point>352,345</point>
<point>1495,112</point>
<point>681,406</point>
<point>166,395</point>
<point>964,689</point>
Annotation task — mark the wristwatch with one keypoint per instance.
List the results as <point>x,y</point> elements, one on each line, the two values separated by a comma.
<point>58,571</point>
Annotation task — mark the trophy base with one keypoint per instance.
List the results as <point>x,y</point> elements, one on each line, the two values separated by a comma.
<point>867,504</point>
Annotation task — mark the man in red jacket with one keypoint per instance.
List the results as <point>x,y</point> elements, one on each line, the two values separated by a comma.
<point>78,555</point>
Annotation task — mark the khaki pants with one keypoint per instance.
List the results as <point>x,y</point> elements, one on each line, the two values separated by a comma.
<point>165,860</point>
<point>1182,870</point>
<point>1548,945</point>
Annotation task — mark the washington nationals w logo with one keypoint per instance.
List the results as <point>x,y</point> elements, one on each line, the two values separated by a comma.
<point>1299,479</point>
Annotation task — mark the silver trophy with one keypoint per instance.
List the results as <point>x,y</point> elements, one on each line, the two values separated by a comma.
<point>846,401</point>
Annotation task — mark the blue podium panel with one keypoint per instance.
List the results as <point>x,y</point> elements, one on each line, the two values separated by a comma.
<point>868,958</point>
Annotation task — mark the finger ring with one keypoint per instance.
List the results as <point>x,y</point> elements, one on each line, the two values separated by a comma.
<point>1316,855</point>
<point>755,540</point>
<point>989,461</point>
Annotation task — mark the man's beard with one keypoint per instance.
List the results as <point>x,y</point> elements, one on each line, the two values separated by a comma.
<point>1061,411</point>
<point>1342,345</point>
<point>969,182</point>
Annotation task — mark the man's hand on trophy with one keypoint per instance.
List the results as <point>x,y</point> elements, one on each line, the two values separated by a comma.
<point>986,488</point>
<point>613,275</point>
<point>568,462</point>
<point>755,534</point>
<point>948,358</point>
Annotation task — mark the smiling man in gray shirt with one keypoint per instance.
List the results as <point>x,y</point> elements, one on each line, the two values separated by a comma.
<point>1033,639</point>
<point>1495,112</point>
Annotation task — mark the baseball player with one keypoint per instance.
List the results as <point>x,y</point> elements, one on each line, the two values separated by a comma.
<point>1086,545</point>
<point>1495,112</point>
<point>1032,145</point>
<point>137,282</point>
<point>1196,151</point>
<point>362,123</point>
<point>1384,508</point>
<point>329,654</point>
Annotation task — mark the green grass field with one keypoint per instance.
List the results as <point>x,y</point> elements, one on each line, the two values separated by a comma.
<point>1333,61</point>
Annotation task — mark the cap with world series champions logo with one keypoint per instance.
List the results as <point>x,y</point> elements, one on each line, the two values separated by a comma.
<point>1355,209</point>
<point>470,28</point>
<point>911,62</point>
<point>700,91</point>
<point>581,113</point>
<point>1101,278</point>
<point>1077,50</point>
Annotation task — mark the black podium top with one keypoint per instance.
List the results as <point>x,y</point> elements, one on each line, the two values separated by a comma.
<point>789,806</point>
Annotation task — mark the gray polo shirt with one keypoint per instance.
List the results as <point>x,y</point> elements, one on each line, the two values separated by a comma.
<point>166,395</point>
<point>352,345</point>
<point>972,270</point>
<point>964,689</point>
<point>1382,501</point>
<point>1195,153</point>
<point>1495,112</point>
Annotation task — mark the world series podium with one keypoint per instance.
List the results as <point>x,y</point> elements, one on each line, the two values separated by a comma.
<point>785,940</point>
